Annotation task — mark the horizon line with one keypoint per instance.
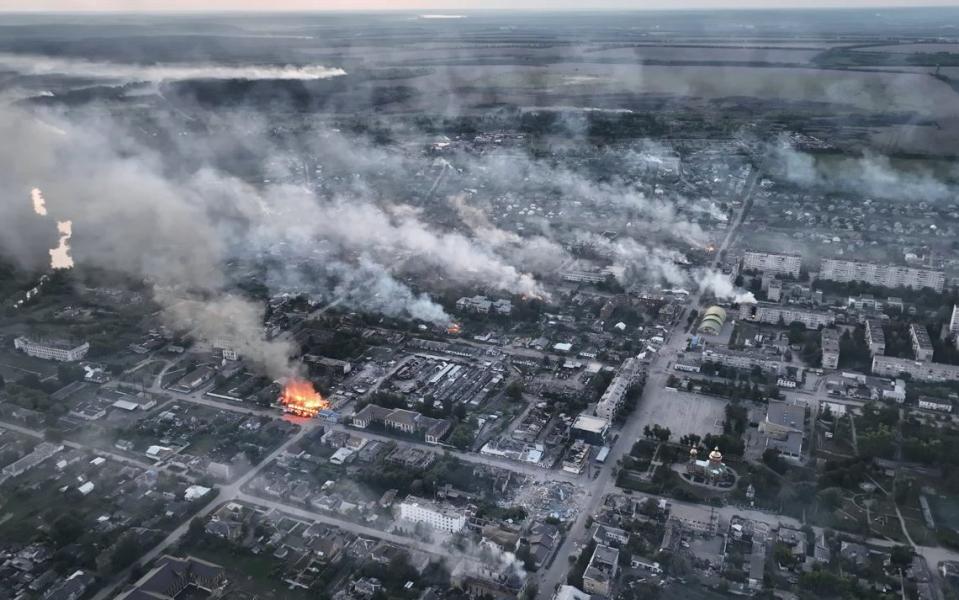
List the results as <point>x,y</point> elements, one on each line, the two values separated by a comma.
<point>461,11</point>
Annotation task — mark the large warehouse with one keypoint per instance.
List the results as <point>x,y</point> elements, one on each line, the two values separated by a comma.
<point>713,320</point>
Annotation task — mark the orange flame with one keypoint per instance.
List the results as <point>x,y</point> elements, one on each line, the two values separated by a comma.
<point>299,398</point>
<point>454,329</point>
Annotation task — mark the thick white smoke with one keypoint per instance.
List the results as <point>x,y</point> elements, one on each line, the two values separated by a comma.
<point>32,64</point>
<point>720,285</point>
<point>871,174</point>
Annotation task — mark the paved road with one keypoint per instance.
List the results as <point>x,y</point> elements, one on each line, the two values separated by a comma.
<point>350,526</point>
<point>112,455</point>
<point>226,493</point>
<point>529,470</point>
<point>605,482</point>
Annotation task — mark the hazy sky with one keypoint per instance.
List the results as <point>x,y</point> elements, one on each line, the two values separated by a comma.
<point>269,5</point>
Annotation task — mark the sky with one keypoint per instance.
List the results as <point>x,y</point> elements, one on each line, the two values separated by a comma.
<point>319,5</point>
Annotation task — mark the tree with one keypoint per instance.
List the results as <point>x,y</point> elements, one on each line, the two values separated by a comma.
<point>774,461</point>
<point>830,498</point>
<point>68,373</point>
<point>197,527</point>
<point>124,553</point>
<point>901,556</point>
<point>66,529</point>
<point>515,390</point>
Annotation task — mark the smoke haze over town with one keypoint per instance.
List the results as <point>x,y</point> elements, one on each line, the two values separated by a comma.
<point>458,301</point>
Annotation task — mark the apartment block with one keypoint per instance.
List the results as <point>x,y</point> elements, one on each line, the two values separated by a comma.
<point>765,312</point>
<point>888,366</point>
<point>780,264</point>
<point>443,518</point>
<point>62,351</point>
<point>830,349</point>
<point>921,344</point>
<point>875,337</point>
<point>890,276</point>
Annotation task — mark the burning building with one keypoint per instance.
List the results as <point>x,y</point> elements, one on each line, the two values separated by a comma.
<point>301,399</point>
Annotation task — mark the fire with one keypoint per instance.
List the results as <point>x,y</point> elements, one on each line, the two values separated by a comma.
<point>454,329</point>
<point>299,398</point>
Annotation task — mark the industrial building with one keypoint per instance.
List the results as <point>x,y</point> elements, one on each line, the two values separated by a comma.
<point>890,276</point>
<point>60,350</point>
<point>780,264</point>
<point>766,312</point>
<point>830,349</point>
<point>443,518</point>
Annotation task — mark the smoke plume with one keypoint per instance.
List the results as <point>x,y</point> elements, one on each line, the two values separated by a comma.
<point>31,64</point>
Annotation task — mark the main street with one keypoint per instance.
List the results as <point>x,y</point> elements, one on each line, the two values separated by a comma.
<point>605,482</point>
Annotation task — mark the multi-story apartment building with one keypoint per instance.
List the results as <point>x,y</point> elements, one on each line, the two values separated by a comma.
<point>890,276</point>
<point>52,349</point>
<point>744,359</point>
<point>888,366</point>
<point>875,337</point>
<point>443,518</point>
<point>921,344</point>
<point>954,325</point>
<point>612,399</point>
<point>830,349</point>
<point>765,312</point>
<point>781,264</point>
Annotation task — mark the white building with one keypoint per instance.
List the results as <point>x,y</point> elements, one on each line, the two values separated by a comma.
<point>51,349</point>
<point>443,518</point>
<point>927,403</point>
<point>744,359</point>
<point>954,324</point>
<point>890,276</point>
<point>781,264</point>
<point>612,399</point>
<point>765,312</point>
<point>919,370</point>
